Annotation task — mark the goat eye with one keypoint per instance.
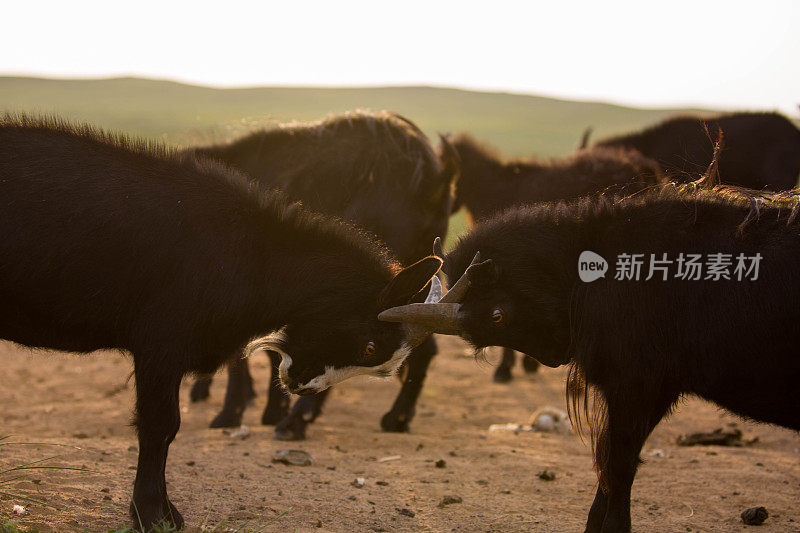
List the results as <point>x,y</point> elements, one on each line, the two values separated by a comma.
<point>369,349</point>
<point>497,316</point>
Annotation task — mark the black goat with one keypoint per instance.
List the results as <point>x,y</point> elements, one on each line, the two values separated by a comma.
<point>488,185</point>
<point>724,333</point>
<point>114,244</point>
<point>762,150</point>
<point>376,170</point>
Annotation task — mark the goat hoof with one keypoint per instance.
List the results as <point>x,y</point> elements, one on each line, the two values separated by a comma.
<point>502,375</point>
<point>201,390</point>
<point>156,517</point>
<point>530,364</point>
<point>174,518</point>
<point>271,417</point>
<point>394,423</point>
<point>290,428</point>
<point>289,434</point>
<point>226,419</point>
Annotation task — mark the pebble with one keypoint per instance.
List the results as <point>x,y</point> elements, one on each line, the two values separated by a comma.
<point>292,457</point>
<point>449,500</point>
<point>547,475</point>
<point>441,463</point>
<point>549,420</point>
<point>242,432</point>
<point>754,516</point>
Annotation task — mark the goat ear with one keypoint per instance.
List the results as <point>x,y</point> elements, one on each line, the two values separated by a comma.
<point>409,282</point>
<point>482,274</point>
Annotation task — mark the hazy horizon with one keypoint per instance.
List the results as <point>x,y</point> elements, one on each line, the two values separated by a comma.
<point>676,107</point>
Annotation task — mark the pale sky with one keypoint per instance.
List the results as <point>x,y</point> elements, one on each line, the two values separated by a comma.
<point>725,54</point>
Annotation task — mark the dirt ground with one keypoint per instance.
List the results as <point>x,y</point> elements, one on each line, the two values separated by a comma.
<point>216,480</point>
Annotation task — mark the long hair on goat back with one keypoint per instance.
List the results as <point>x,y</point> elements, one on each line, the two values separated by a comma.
<point>586,403</point>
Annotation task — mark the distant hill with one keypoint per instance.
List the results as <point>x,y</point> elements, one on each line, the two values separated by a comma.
<point>520,125</point>
<point>181,114</point>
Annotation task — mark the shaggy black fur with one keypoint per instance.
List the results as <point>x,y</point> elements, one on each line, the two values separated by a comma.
<point>638,346</point>
<point>762,150</point>
<point>114,244</point>
<point>376,170</point>
<point>489,184</point>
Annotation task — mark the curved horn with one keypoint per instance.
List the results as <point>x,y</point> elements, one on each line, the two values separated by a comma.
<point>416,334</point>
<point>433,318</point>
<point>435,292</point>
<point>441,316</point>
<point>459,288</point>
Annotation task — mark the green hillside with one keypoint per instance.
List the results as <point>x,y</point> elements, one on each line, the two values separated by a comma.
<point>181,114</point>
<point>519,125</point>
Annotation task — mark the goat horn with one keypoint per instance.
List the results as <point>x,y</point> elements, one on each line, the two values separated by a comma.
<point>435,292</point>
<point>440,316</point>
<point>416,335</point>
<point>426,318</point>
<point>459,288</point>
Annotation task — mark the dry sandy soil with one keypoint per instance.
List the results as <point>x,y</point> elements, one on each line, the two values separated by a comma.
<point>84,401</point>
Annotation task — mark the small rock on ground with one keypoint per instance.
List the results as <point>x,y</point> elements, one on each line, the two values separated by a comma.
<point>449,500</point>
<point>292,457</point>
<point>754,516</point>
<point>547,475</point>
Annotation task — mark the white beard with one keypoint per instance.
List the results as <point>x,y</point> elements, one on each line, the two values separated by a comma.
<point>335,375</point>
<point>274,343</point>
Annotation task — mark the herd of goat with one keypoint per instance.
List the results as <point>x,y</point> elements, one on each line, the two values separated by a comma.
<point>312,243</point>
